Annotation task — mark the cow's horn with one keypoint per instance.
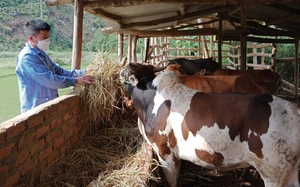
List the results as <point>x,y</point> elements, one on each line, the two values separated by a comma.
<point>156,68</point>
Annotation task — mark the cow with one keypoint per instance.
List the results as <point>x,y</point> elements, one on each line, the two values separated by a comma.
<point>269,80</point>
<point>218,84</point>
<point>215,130</point>
<point>193,66</point>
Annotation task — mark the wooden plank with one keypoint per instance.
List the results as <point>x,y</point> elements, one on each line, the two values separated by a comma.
<point>120,46</point>
<point>77,34</point>
<point>296,69</point>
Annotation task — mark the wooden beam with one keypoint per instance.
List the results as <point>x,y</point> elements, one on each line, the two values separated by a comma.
<point>104,14</point>
<point>284,19</point>
<point>220,38</point>
<point>171,32</point>
<point>243,44</point>
<point>129,48</point>
<point>296,69</point>
<point>133,50</point>
<point>261,40</point>
<point>120,46</point>
<point>77,34</point>
<point>147,49</point>
<point>126,3</point>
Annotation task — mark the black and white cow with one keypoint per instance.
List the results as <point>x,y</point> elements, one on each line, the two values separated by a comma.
<point>218,131</point>
<point>193,66</point>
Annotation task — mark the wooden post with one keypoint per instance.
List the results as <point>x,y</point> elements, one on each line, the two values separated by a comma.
<point>274,54</point>
<point>296,70</point>
<point>220,36</point>
<point>77,34</point>
<point>205,51</point>
<point>254,51</point>
<point>120,46</point>
<point>147,43</point>
<point>243,57</point>
<point>129,48</point>
<point>133,51</point>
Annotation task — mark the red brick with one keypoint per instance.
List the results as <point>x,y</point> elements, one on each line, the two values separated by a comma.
<point>4,170</point>
<point>41,131</point>
<point>53,157</point>
<point>55,123</point>
<point>12,180</point>
<point>45,153</point>
<point>2,132</point>
<point>51,137</point>
<point>27,167</point>
<point>36,119</point>
<point>73,140</point>
<point>15,129</point>
<point>62,106</point>
<point>22,157</point>
<point>37,147</point>
<point>59,142</point>
<point>51,111</point>
<point>62,150</point>
<point>6,150</point>
<point>67,116</point>
<point>27,138</point>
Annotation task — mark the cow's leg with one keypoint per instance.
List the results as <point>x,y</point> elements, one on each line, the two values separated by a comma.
<point>171,167</point>
<point>285,177</point>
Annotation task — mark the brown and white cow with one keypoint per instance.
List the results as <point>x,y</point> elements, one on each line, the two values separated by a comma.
<point>220,131</point>
<point>269,80</point>
<point>242,83</point>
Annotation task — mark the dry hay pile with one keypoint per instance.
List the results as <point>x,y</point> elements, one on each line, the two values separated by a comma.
<point>111,153</point>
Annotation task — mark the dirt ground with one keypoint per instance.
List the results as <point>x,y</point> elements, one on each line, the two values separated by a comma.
<point>194,176</point>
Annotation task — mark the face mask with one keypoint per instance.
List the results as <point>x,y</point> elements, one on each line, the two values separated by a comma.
<point>43,44</point>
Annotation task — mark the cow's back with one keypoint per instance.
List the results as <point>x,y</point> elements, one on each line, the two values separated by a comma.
<point>270,80</point>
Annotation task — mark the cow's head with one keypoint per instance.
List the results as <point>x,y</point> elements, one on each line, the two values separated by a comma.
<point>138,74</point>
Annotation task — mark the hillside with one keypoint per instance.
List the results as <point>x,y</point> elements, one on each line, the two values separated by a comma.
<point>15,13</point>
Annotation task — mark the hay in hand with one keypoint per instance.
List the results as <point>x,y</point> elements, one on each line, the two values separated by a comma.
<point>101,98</point>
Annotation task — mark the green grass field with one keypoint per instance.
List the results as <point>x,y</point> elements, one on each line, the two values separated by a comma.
<point>9,100</point>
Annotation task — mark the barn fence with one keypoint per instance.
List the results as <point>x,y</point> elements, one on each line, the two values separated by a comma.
<point>259,55</point>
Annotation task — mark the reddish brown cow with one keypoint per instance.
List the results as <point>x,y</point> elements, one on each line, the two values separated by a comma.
<point>218,84</point>
<point>269,80</point>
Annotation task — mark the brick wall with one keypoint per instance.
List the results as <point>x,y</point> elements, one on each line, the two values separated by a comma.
<point>32,141</point>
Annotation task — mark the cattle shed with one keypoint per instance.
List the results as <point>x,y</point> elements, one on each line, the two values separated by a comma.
<point>31,142</point>
<point>214,23</point>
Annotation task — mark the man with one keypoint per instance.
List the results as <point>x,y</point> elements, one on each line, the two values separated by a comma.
<point>38,76</point>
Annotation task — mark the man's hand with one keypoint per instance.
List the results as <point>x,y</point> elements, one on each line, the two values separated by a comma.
<point>88,79</point>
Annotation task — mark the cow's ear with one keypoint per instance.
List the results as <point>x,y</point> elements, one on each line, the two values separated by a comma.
<point>134,81</point>
<point>202,72</point>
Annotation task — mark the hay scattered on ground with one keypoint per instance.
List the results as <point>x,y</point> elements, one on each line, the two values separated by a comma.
<point>109,157</point>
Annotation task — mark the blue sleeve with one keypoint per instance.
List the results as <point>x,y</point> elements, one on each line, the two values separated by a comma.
<point>68,73</point>
<point>45,74</point>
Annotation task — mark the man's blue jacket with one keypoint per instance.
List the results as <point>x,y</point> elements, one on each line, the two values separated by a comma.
<point>39,77</point>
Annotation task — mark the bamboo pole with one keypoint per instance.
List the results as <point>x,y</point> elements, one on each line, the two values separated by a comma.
<point>77,34</point>
<point>129,48</point>
<point>147,43</point>
<point>243,57</point>
<point>133,50</point>
<point>120,46</point>
<point>220,36</point>
<point>296,70</point>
